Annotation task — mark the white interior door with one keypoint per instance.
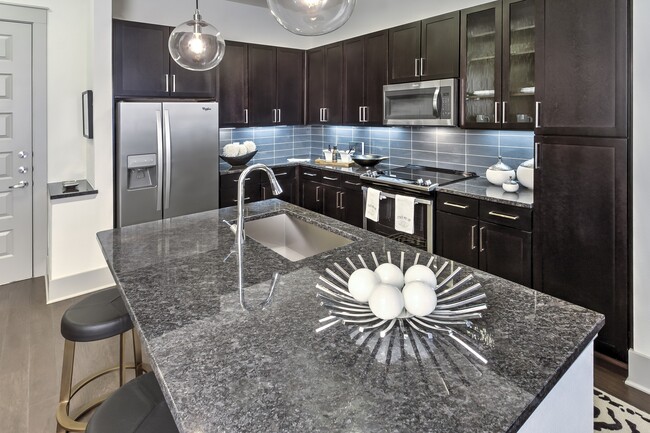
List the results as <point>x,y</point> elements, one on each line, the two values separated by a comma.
<point>15,151</point>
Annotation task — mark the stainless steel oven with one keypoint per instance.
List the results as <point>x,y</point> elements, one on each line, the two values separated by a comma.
<point>422,103</point>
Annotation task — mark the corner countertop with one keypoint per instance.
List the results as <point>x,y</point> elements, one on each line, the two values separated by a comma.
<point>480,188</point>
<point>354,170</point>
<point>57,191</point>
<point>223,369</point>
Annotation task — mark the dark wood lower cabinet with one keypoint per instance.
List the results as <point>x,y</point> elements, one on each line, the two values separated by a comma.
<point>456,238</point>
<point>581,231</point>
<point>228,184</point>
<point>311,195</point>
<point>506,252</point>
<point>288,181</point>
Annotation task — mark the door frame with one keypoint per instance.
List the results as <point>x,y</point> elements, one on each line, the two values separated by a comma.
<point>37,18</point>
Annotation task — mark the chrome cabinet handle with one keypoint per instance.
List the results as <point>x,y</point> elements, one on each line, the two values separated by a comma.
<point>496,112</point>
<point>275,116</point>
<point>263,193</point>
<point>245,180</point>
<point>337,199</point>
<point>22,170</point>
<point>166,82</point>
<point>330,178</point>
<point>417,67</point>
<point>317,190</point>
<point>20,185</point>
<point>360,114</point>
<point>459,206</point>
<point>245,199</point>
<point>281,174</point>
<point>173,83</point>
<point>504,117</point>
<point>503,215</point>
<point>159,169</point>
<point>353,183</point>
<point>480,239</point>
<point>321,115</point>
<point>422,66</point>
<point>279,115</point>
<point>310,174</point>
<point>341,200</point>
<point>474,227</point>
<point>538,110</point>
<point>245,115</point>
<point>326,112</point>
<point>366,110</point>
<point>536,155</point>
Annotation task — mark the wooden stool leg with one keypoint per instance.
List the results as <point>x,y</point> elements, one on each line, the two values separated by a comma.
<point>137,353</point>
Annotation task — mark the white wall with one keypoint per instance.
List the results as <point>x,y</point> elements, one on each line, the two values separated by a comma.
<point>242,22</point>
<point>640,355</point>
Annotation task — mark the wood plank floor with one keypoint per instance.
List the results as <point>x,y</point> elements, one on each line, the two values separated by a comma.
<point>31,355</point>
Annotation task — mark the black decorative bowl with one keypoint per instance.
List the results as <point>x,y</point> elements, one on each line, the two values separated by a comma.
<point>238,161</point>
<point>368,160</point>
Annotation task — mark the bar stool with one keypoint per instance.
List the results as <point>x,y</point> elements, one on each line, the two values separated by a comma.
<point>137,407</point>
<point>99,316</point>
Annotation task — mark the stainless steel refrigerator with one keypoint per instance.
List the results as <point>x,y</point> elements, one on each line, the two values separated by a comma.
<point>167,160</point>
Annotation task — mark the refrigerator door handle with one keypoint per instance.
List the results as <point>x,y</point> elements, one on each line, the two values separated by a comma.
<point>159,169</point>
<point>168,160</point>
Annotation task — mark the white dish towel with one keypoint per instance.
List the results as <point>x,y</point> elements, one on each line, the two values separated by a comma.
<point>404,213</point>
<point>372,204</point>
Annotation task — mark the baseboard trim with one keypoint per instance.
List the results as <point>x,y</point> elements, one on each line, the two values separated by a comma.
<point>638,371</point>
<point>78,284</point>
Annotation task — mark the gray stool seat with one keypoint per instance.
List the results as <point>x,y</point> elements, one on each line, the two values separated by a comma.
<point>99,316</point>
<point>137,407</point>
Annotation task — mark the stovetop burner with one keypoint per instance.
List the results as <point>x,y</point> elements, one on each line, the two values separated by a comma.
<point>416,177</point>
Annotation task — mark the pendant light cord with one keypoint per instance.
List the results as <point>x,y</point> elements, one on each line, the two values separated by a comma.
<point>197,5</point>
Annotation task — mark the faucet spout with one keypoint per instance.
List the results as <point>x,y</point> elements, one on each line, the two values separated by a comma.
<point>241,183</point>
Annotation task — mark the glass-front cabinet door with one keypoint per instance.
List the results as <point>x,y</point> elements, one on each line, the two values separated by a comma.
<point>498,65</point>
<point>518,109</point>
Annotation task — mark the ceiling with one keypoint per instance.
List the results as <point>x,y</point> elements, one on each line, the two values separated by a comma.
<point>261,3</point>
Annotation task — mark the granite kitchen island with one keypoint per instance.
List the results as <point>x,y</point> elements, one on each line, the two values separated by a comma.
<point>224,369</point>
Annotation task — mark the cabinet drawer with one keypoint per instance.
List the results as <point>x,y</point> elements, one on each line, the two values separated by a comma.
<point>228,188</point>
<point>351,182</point>
<point>457,205</point>
<point>509,216</point>
<point>310,174</point>
<point>331,178</point>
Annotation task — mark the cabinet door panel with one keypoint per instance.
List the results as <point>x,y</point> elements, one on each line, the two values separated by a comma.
<point>233,85</point>
<point>140,59</point>
<point>290,85</point>
<point>352,206</point>
<point>353,79</point>
<point>333,96</point>
<point>261,84</point>
<point>330,202</point>
<point>192,84</point>
<point>403,50</point>
<point>311,196</point>
<point>441,46</point>
<point>457,238</point>
<point>581,232</point>
<point>506,252</point>
<point>315,84</point>
<point>581,74</point>
<point>376,76</point>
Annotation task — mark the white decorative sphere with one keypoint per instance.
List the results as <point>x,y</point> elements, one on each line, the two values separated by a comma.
<point>420,273</point>
<point>386,302</point>
<point>361,284</point>
<point>390,274</point>
<point>419,298</point>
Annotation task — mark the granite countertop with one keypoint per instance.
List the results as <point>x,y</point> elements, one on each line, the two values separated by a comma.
<point>355,169</point>
<point>57,190</point>
<point>223,369</point>
<point>480,188</point>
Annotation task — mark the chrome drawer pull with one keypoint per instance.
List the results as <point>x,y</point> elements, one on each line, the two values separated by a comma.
<point>352,183</point>
<point>246,180</point>
<point>310,174</point>
<point>330,178</point>
<point>246,198</point>
<point>502,215</point>
<point>474,236</point>
<point>459,206</point>
<point>281,174</point>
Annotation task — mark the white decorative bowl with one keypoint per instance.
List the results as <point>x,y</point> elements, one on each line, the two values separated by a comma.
<point>526,173</point>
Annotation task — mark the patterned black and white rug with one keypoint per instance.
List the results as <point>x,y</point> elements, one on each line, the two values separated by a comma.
<point>614,415</point>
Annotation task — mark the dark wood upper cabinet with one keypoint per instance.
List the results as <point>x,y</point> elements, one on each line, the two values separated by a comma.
<point>262,84</point>
<point>498,65</point>
<point>440,47</point>
<point>290,86</point>
<point>325,84</point>
<point>364,75</point>
<point>424,50</point>
<point>581,229</point>
<point>142,66</point>
<point>233,85</point>
<point>581,72</point>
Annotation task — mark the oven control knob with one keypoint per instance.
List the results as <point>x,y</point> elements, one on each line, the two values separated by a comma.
<point>420,181</point>
<point>428,182</point>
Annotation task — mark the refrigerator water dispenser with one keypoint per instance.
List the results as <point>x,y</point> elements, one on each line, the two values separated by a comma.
<point>141,171</point>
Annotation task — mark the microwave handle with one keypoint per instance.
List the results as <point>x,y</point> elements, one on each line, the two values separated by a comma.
<point>436,104</point>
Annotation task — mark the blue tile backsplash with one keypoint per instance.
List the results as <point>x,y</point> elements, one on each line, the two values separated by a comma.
<point>454,148</point>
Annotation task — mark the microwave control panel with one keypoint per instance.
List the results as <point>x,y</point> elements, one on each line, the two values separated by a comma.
<point>445,106</point>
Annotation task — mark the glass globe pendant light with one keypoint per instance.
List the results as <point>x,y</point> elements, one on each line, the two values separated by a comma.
<point>311,17</point>
<point>196,45</point>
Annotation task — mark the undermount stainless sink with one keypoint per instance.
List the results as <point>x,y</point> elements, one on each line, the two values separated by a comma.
<point>291,237</point>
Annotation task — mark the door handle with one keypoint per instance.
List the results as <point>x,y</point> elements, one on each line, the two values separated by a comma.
<point>421,66</point>
<point>168,160</point>
<point>281,174</point>
<point>279,115</point>
<point>436,109</point>
<point>538,110</point>
<point>245,115</point>
<point>275,116</point>
<point>326,115</point>
<point>331,178</point>
<point>353,183</point>
<point>459,206</point>
<point>536,155</point>
<point>310,174</point>
<point>366,110</point>
<point>474,227</point>
<point>480,240</point>
<point>360,114</point>
<point>173,83</point>
<point>20,185</point>
<point>263,193</point>
<point>245,199</point>
<point>337,199</point>
<point>502,215</point>
<point>317,190</point>
<point>417,67</point>
<point>166,82</point>
<point>504,117</point>
<point>159,169</point>
<point>496,112</point>
<point>341,200</point>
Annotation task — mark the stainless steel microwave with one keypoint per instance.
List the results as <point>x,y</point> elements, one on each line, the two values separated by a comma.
<point>423,103</point>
